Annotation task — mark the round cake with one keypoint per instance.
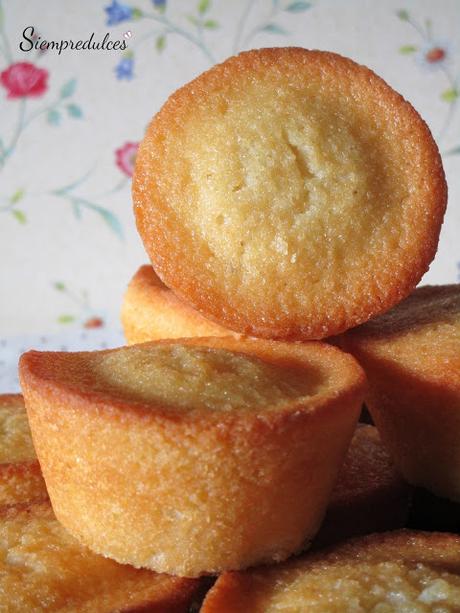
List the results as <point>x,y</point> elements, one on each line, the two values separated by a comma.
<point>151,311</point>
<point>400,571</point>
<point>43,568</point>
<point>412,359</point>
<point>193,456</point>
<point>289,194</point>
<point>20,475</point>
<point>370,495</point>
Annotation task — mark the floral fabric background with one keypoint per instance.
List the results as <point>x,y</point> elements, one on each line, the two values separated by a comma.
<point>71,121</point>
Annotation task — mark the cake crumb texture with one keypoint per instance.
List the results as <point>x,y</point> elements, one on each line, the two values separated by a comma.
<point>407,572</point>
<point>152,311</point>
<point>43,568</point>
<point>193,456</point>
<point>411,356</point>
<point>21,479</point>
<point>289,193</point>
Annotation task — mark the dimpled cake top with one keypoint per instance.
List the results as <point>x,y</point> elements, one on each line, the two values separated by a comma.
<point>44,568</point>
<point>185,377</point>
<point>190,376</point>
<point>422,333</point>
<point>397,571</point>
<point>289,193</point>
<point>15,440</point>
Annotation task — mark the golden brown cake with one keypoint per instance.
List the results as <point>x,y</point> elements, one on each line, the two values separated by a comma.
<point>394,572</point>
<point>289,194</point>
<point>370,494</point>
<point>44,568</point>
<point>151,311</point>
<point>193,456</point>
<point>412,358</point>
<point>20,475</point>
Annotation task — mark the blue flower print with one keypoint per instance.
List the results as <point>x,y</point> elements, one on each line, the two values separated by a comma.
<point>117,12</point>
<point>124,68</point>
<point>159,4</point>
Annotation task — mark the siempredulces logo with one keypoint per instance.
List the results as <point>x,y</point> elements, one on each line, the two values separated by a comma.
<point>30,41</point>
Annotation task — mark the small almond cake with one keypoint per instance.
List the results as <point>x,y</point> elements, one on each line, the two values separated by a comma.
<point>20,475</point>
<point>193,456</point>
<point>393,572</point>
<point>412,359</point>
<point>44,568</point>
<point>289,194</point>
<point>151,311</point>
<point>370,495</point>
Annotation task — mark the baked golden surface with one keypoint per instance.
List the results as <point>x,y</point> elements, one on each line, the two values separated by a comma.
<point>370,494</point>
<point>228,481</point>
<point>412,358</point>
<point>151,311</point>
<point>404,572</point>
<point>181,378</point>
<point>289,193</point>
<point>43,568</point>
<point>20,475</point>
<point>15,442</point>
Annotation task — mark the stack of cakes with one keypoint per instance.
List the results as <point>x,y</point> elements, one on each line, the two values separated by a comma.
<point>284,197</point>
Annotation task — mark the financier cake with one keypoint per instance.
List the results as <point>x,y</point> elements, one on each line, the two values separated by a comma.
<point>403,572</point>
<point>151,311</point>
<point>193,456</point>
<point>44,568</point>
<point>289,194</point>
<point>20,475</point>
<point>370,495</point>
<point>412,359</point>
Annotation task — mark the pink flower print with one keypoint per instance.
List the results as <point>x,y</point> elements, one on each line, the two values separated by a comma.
<point>94,322</point>
<point>125,157</point>
<point>23,79</point>
<point>434,55</point>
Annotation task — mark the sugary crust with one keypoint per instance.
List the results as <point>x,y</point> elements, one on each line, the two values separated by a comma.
<point>198,491</point>
<point>11,400</point>
<point>61,373</point>
<point>412,359</point>
<point>399,268</point>
<point>19,481</point>
<point>232,593</point>
<point>55,573</point>
<point>427,306</point>
<point>151,311</point>
<point>370,494</point>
